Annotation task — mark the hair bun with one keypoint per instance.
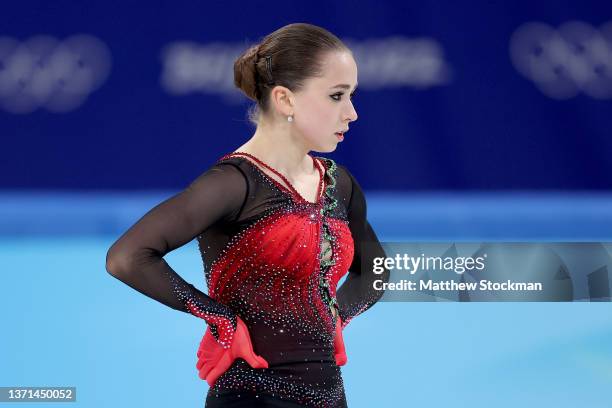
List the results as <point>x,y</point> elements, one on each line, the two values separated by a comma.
<point>295,54</point>
<point>245,77</point>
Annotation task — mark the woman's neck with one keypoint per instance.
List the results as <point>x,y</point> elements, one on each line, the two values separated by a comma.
<point>281,150</point>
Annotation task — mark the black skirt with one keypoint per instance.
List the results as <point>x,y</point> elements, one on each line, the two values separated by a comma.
<point>290,385</point>
<point>253,400</point>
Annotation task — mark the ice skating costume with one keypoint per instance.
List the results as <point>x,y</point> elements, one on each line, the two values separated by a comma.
<point>270,257</point>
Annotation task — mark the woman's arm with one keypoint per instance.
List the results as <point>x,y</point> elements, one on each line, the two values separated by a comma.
<point>357,293</point>
<point>137,257</point>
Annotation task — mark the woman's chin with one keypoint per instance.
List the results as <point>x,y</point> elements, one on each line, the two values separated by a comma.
<point>326,149</point>
<point>330,147</point>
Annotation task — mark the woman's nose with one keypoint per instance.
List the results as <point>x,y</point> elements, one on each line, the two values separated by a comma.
<point>351,115</point>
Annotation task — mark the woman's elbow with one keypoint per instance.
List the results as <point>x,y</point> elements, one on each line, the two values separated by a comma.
<point>117,262</point>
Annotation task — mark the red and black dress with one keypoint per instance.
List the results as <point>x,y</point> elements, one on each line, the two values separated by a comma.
<point>270,257</point>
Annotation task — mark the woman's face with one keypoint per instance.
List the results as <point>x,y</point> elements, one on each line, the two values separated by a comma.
<point>324,107</point>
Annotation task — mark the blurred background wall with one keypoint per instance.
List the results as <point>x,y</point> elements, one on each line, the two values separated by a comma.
<point>492,95</point>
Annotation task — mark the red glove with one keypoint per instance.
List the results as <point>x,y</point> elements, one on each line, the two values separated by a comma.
<point>339,352</point>
<point>214,360</point>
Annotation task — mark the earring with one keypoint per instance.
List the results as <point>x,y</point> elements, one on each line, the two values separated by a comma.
<point>290,118</point>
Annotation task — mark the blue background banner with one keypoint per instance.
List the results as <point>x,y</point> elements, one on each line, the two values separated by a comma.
<point>491,95</point>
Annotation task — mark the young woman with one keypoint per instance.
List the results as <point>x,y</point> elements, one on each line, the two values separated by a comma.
<point>277,228</point>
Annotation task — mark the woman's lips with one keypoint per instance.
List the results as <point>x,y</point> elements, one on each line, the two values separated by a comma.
<point>340,136</point>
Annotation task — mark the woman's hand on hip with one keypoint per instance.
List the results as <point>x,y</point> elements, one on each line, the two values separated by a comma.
<point>214,360</point>
<point>339,351</point>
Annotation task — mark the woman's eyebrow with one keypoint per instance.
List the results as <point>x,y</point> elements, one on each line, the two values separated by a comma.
<point>343,86</point>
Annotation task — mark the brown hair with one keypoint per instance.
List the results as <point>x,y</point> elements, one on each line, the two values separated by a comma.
<point>294,54</point>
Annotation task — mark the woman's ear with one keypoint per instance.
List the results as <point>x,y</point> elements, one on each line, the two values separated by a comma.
<point>282,100</point>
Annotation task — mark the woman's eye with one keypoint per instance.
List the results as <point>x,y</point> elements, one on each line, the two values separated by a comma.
<point>338,96</point>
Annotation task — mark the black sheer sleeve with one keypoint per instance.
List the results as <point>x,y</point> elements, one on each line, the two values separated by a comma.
<point>137,257</point>
<point>357,293</point>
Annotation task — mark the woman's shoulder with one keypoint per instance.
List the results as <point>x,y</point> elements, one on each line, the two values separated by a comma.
<point>230,165</point>
<point>335,168</point>
<point>340,177</point>
<point>231,159</point>
<point>228,172</point>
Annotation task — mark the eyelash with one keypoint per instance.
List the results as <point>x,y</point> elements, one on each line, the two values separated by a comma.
<point>340,94</point>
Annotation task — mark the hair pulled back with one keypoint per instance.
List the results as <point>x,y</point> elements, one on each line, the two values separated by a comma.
<point>286,57</point>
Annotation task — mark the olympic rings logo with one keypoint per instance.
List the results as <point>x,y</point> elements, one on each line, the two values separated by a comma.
<point>45,72</point>
<point>574,58</point>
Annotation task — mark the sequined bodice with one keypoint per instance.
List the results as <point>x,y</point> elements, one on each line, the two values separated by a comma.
<point>280,268</point>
